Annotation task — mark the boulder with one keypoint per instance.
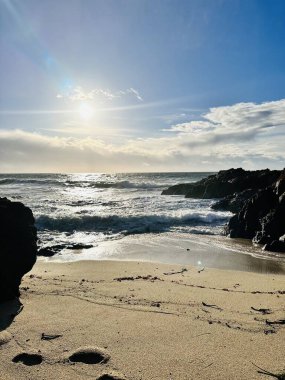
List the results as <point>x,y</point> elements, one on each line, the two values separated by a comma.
<point>47,252</point>
<point>18,246</point>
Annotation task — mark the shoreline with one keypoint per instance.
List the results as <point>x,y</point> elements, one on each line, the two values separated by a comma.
<point>210,251</point>
<point>153,321</point>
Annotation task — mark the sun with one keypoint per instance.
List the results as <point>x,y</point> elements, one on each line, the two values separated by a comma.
<point>86,111</point>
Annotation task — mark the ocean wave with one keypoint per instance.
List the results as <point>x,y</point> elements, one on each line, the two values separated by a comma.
<point>128,224</point>
<point>85,184</point>
<point>116,185</point>
<point>18,181</point>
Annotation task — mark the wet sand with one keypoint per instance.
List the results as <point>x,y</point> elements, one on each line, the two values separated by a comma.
<point>138,320</point>
<point>198,250</point>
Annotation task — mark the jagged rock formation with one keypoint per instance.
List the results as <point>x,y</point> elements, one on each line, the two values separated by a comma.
<point>234,202</point>
<point>262,217</point>
<point>256,197</point>
<point>224,183</point>
<point>18,246</point>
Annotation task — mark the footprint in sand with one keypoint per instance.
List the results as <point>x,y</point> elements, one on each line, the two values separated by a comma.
<point>89,355</point>
<point>109,377</point>
<point>5,337</point>
<point>28,358</point>
<point>93,355</point>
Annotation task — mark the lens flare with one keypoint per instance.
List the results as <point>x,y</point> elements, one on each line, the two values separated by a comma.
<point>86,111</point>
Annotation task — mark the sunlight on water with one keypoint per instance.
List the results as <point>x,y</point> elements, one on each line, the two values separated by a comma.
<point>124,216</point>
<point>109,206</point>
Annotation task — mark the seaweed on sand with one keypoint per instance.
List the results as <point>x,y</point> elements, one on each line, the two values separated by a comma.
<point>279,376</point>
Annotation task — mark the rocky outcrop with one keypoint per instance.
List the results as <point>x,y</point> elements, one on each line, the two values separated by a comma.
<point>234,202</point>
<point>262,217</point>
<point>225,183</point>
<point>18,247</point>
<point>256,197</point>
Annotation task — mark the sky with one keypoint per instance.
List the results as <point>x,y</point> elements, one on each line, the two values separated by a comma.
<point>141,85</point>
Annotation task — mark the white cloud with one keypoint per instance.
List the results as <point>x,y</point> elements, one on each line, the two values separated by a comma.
<point>247,134</point>
<point>249,115</point>
<point>238,117</point>
<point>79,94</point>
<point>241,123</point>
<point>191,127</point>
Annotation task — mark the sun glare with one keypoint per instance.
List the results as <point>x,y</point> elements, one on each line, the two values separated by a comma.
<point>86,111</point>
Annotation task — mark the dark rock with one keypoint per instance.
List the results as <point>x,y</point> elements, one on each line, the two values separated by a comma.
<point>79,246</point>
<point>18,246</point>
<point>262,217</point>
<point>180,189</point>
<point>275,246</point>
<point>261,238</point>
<point>224,183</point>
<point>280,184</point>
<point>234,202</point>
<point>256,197</point>
<point>249,220</point>
<point>49,251</point>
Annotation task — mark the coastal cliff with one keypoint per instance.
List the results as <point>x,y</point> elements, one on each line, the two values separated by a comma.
<point>18,246</point>
<point>256,197</point>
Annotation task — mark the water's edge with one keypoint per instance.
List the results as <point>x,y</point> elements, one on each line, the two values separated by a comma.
<point>125,216</point>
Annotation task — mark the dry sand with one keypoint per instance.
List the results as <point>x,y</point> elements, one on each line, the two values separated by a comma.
<point>140,321</point>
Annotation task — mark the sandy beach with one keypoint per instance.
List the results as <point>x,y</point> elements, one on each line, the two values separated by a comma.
<point>139,320</point>
<point>142,190</point>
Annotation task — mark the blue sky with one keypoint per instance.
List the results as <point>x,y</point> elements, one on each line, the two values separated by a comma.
<point>142,85</point>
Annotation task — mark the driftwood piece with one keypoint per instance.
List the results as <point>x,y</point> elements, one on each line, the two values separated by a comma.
<point>278,322</point>
<point>180,271</point>
<point>212,306</point>
<point>50,336</point>
<point>262,310</point>
<point>279,376</point>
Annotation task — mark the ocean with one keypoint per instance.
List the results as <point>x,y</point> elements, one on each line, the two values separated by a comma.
<point>91,208</point>
<point>98,208</point>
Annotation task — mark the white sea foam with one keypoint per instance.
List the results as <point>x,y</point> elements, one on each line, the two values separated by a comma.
<point>128,224</point>
<point>97,207</point>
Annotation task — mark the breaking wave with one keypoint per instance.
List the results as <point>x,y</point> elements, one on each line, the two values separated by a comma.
<point>84,184</point>
<point>18,181</point>
<point>128,224</point>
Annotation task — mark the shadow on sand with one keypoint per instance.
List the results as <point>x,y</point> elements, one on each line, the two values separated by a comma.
<point>8,311</point>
